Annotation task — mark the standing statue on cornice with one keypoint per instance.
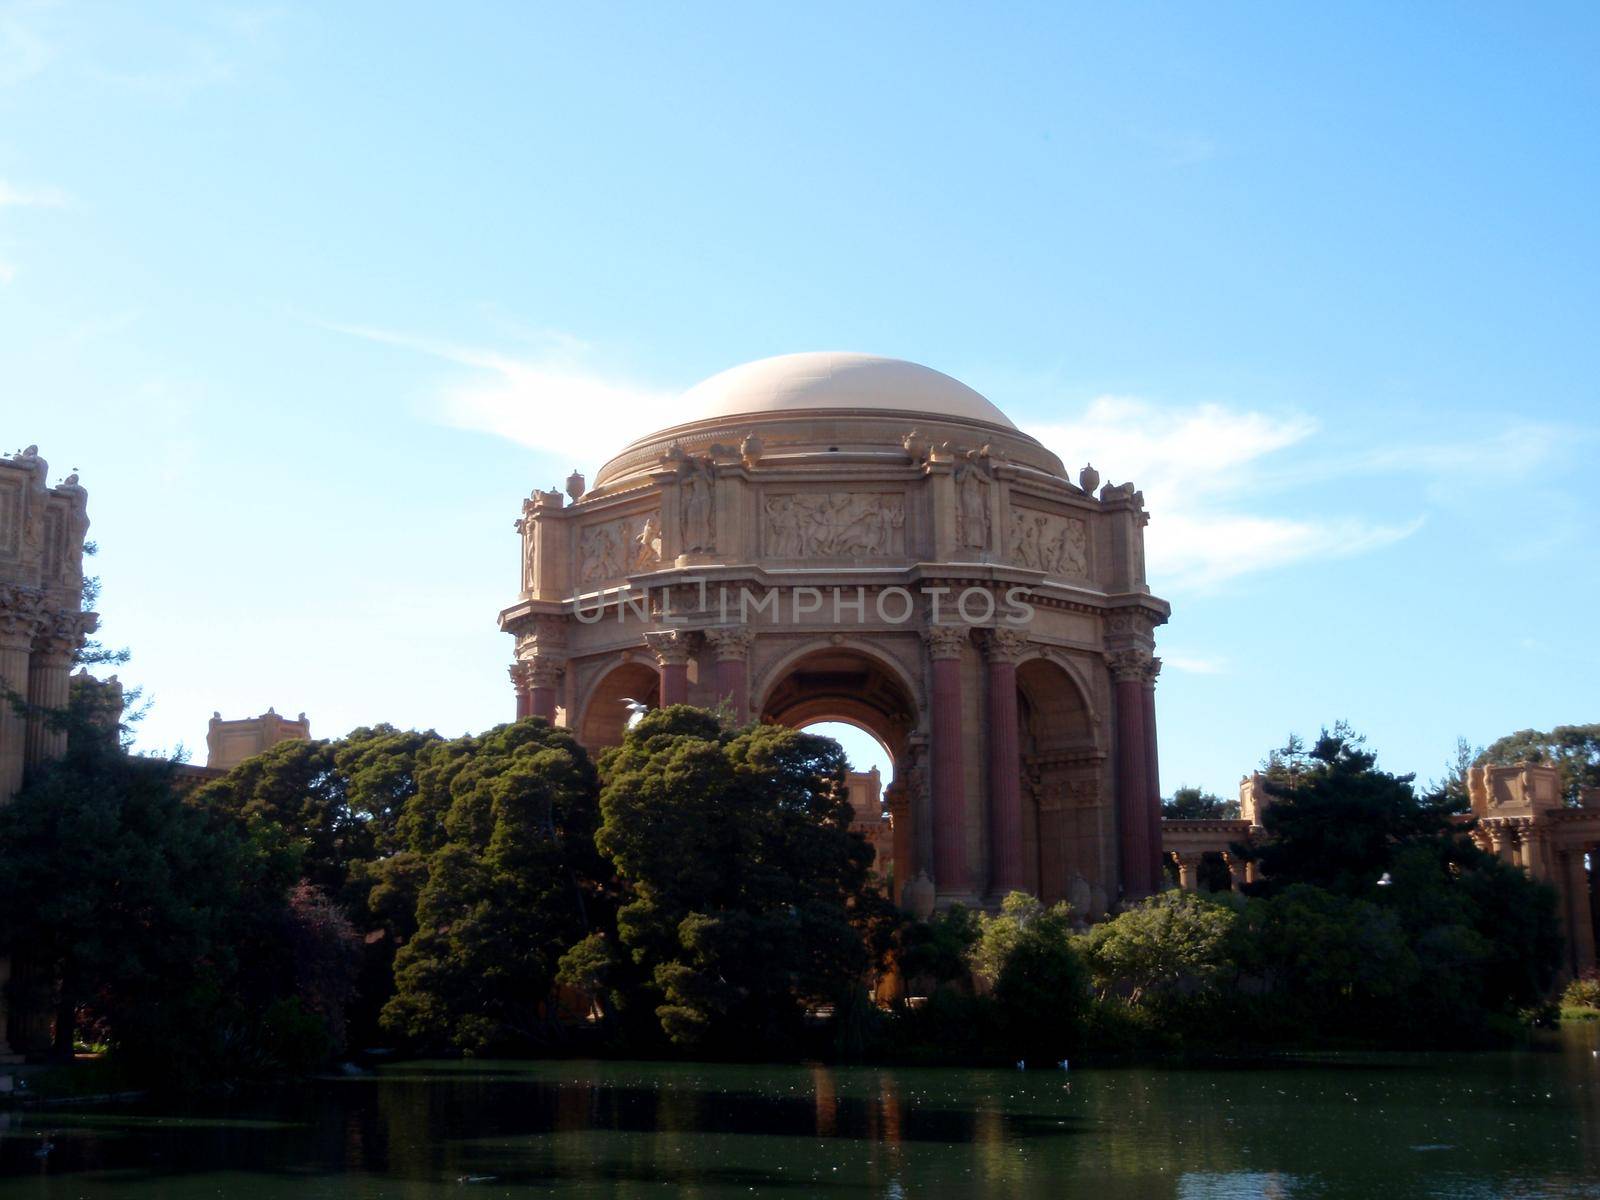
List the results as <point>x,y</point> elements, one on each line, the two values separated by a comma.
<point>972,494</point>
<point>699,528</point>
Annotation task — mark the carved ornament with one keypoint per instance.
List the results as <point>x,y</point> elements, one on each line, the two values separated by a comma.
<point>834,525</point>
<point>1049,542</point>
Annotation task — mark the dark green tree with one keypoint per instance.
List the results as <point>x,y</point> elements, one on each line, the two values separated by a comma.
<point>506,891</point>
<point>1192,804</point>
<point>747,897</point>
<point>165,918</point>
<point>1335,820</point>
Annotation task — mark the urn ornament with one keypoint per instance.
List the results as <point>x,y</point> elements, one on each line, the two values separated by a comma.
<point>1088,478</point>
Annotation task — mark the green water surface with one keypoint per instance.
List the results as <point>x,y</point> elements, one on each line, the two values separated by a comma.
<point>1515,1124</point>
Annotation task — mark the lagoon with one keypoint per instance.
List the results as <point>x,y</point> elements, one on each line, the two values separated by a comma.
<point>1522,1123</point>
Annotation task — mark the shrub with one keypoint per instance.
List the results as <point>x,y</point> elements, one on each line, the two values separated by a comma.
<point>1583,992</point>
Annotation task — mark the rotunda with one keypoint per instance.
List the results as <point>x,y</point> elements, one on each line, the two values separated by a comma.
<point>861,539</point>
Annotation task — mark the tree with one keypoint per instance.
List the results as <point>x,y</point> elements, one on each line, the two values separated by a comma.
<point>505,889</point>
<point>1192,804</point>
<point>163,917</point>
<point>747,897</point>
<point>1335,820</point>
<point>1174,940</point>
<point>1573,749</point>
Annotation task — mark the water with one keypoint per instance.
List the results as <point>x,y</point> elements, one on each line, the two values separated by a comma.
<point>1523,1124</point>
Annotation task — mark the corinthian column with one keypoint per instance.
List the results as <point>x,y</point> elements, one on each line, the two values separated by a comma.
<point>21,617</point>
<point>731,648</point>
<point>1004,647</point>
<point>1128,669</point>
<point>1575,913</point>
<point>544,676</point>
<point>49,676</point>
<point>522,681</point>
<point>1152,771</point>
<point>945,645</point>
<point>671,648</point>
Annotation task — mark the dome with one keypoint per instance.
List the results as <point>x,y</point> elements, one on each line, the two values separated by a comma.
<point>820,380</point>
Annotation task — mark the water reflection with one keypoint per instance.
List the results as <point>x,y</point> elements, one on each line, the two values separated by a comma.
<point>1522,1124</point>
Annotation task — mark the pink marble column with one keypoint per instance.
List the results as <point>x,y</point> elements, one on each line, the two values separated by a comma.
<point>544,674</point>
<point>1575,912</point>
<point>1133,780</point>
<point>945,645</point>
<point>1152,772</point>
<point>1004,647</point>
<point>671,648</point>
<point>731,647</point>
<point>521,681</point>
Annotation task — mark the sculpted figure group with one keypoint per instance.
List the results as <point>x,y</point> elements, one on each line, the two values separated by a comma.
<point>835,525</point>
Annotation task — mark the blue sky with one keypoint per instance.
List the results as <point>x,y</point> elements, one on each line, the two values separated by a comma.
<point>312,296</point>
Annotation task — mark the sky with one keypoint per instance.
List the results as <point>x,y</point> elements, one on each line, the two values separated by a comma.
<point>311,296</point>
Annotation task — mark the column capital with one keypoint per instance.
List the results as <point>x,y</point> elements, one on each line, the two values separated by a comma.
<point>730,643</point>
<point>1151,670</point>
<point>22,615</point>
<point>670,646</point>
<point>62,633</point>
<point>521,673</point>
<point>545,670</point>
<point>1130,665</point>
<point>946,641</point>
<point>1005,645</point>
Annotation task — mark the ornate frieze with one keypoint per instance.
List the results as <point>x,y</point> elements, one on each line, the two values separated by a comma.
<point>615,549</point>
<point>1049,542</point>
<point>834,525</point>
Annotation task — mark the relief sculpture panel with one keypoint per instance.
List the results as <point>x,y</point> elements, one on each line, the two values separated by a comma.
<point>1056,545</point>
<point>618,548</point>
<point>834,525</point>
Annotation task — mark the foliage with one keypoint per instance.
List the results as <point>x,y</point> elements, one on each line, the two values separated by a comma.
<point>1335,820</point>
<point>1174,941</point>
<point>1041,988</point>
<point>1573,749</point>
<point>747,897</point>
<point>326,952</point>
<point>936,951</point>
<point>1192,804</point>
<point>165,919</point>
<point>1583,992</point>
<point>504,894</point>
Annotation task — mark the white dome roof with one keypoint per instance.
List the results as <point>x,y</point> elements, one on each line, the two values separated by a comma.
<point>792,382</point>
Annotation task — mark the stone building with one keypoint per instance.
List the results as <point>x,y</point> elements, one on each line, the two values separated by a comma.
<point>42,623</point>
<point>229,743</point>
<point>843,537</point>
<point>871,821</point>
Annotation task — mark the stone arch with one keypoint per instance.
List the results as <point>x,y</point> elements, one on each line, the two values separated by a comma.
<point>859,685</point>
<point>604,713</point>
<point>1068,836</point>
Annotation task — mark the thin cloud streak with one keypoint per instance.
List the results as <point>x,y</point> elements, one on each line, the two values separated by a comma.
<point>16,196</point>
<point>551,403</point>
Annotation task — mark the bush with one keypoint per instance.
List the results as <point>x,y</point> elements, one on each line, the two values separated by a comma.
<point>1583,992</point>
<point>1174,943</point>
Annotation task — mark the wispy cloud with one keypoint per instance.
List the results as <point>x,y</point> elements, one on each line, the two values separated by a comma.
<point>551,400</point>
<point>1193,664</point>
<point>15,195</point>
<point>24,51</point>
<point>1198,467</point>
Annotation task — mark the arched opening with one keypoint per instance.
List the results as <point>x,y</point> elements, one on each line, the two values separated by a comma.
<point>845,689</point>
<point>1068,839</point>
<point>606,713</point>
